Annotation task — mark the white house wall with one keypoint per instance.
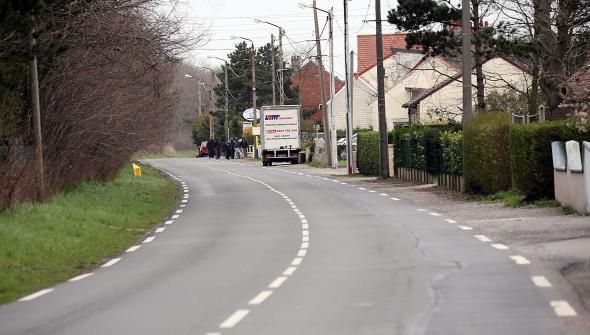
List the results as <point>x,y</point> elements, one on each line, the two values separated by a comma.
<point>500,76</point>
<point>363,96</point>
<point>396,67</point>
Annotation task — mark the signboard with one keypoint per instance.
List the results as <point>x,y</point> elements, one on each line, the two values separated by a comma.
<point>246,125</point>
<point>256,131</point>
<point>281,128</point>
<point>248,114</point>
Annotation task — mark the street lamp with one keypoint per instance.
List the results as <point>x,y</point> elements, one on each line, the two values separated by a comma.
<point>186,75</point>
<point>253,87</point>
<point>226,95</point>
<point>281,78</point>
<point>331,131</point>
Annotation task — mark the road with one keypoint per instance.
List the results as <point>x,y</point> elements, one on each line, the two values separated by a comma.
<point>259,250</point>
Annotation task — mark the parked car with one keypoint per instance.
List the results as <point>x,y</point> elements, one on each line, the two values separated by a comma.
<point>342,141</point>
<point>203,151</point>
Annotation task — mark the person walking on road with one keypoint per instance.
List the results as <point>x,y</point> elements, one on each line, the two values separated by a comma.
<point>244,148</point>
<point>210,149</point>
<point>217,147</point>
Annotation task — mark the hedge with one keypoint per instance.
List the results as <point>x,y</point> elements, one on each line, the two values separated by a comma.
<point>487,157</point>
<point>530,155</point>
<point>368,153</point>
<point>452,152</point>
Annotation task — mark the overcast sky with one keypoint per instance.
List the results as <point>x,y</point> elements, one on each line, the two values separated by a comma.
<point>220,19</point>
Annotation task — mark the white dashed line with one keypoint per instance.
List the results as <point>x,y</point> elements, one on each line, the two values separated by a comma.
<point>394,199</point>
<point>541,281</point>
<point>133,248</point>
<point>277,282</point>
<point>160,230</point>
<point>175,216</point>
<point>182,206</point>
<point>297,261</point>
<point>302,253</point>
<point>169,222</point>
<point>149,239</point>
<point>482,238</point>
<point>303,221</point>
<point>384,194</point>
<point>305,239</point>
<point>260,298</point>
<point>362,188</point>
<point>301,216</point>
<point>465,227</point>
<point>500,246</point>
<point>450,221</point>
<point>80,277</point>
<point>36,295</point>
<point>434,214</point>
<point>520,260</point>
<point>234,319</point>
<point>290,270</point>
<point>304,245</point>
<point>184,201</point>
<point>305,232</point>
<point>563,308</point>
<point>371,191</point>
<point>111,262</point>
<point>178,211</point>
<point>421,210</point>
<point>304,226</point>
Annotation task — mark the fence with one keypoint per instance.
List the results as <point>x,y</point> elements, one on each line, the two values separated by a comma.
<point>448,181</point>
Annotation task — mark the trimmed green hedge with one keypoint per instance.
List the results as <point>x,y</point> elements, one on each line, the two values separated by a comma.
<point>530,155</point>
<point>452,152</point>
<point>487,156</point>
<point>368,153</point>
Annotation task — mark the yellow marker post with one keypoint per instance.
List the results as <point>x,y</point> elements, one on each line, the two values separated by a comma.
<point>136,170</point>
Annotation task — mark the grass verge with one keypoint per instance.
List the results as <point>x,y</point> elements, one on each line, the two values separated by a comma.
<point>508,198</point>
<point>43,244</point>
<point>173,154</point>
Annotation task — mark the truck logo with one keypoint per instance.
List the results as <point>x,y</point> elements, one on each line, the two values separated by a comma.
<point>272,117</point>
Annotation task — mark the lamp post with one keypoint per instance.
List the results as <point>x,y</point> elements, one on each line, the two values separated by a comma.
<point>331,128</point>
<point>186,75</point>
<point>226,95</point>
<point>254,121</point>
<point>281,62</point>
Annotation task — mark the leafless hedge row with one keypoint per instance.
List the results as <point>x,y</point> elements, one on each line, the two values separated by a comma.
<point>107,96</point>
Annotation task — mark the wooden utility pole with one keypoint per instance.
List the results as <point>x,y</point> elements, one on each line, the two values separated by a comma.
<point>327,140</point>
<point>226,99</point>
<point>274,71</point>
<point>349,80</point>
<point>383,156</point>
<point>467,89</point>
<point>39,164</point>
<point>281,68</point>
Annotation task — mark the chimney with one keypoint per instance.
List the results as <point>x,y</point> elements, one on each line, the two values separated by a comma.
<point>295,63</point>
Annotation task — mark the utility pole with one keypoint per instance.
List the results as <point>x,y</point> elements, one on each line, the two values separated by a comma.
<point>333,136</point>
<point>383,156</point>
<point>467,90</point>
<point>274,71</point>
<point>39,164</point>
<point>349,117</point>
<point>349,81</point>
<point>327,136</point>
<point>199,101</point>
<point>226,99</point>
<point>281,66</point>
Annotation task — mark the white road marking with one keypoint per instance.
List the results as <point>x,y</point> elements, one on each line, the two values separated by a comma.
<point>296,211</point>
<point>371,191</point>
<point>303,221</point>
<point>149,239</point>
<point>297,261</point>
<point>277,282</point>
<point>175,216</point>
<point>302,253</point>
<point>305,239</point>
<point>362,188</point>
<point>178,211</point>
<point>482,238</point>
<point>293,206</point>
<point>500,246</point>
<point>182,206</point>
<point>186,196</point>
<point>260,298</point>
<point>343,183</point>
<point>234,319</point>
<point>305,232</point>
<point>304,245</point>
<point>465,227</point>
<point>184,201</point>
<point>36,295</point>
<point>290,270</point>
<point>133,248</point>
<point>325,179</point>
<point>301,216</point>
<point>384,194</point>
<point>421,210</point>
<point>450,221</point>
<point>541,281</point>
<point>111,262</point>
<point>434,214</point>
<point>160,230</point>
<point>520,260</point>
<point>169,222</point>
<point>304,226</point>
<point>563,308</point>
<point>185,191</point>
<point>80,277</point>
<point>395,199</point>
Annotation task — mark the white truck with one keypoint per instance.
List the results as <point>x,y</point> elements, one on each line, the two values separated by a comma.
<point>280,134</point>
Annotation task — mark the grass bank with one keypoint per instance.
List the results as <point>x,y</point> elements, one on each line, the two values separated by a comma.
<point>172,154</point>
<point>42,244</point>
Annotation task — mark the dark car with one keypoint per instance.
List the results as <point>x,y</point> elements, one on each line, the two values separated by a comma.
<point>203,151</point>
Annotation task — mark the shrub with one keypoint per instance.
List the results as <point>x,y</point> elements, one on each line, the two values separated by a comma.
<point>530,155</point>
<point>452,152</point>
<point>487,157</point>
<point>368,153</point>
<point>432,150</point>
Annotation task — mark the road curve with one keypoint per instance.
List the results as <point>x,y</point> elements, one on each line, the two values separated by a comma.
<point>254,250</point>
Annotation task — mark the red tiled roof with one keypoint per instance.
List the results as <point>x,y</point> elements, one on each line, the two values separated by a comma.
<point>308,82</point>
<point>367,50</point>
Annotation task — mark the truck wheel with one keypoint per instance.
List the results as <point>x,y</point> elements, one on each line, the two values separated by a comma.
<point>294,161</point>
<point>264,163</point>
<point>269,163</point>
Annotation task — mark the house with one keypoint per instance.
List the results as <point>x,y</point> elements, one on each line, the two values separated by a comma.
<point>306,80</point>
<point>577,93</point>
<point>443,101</point>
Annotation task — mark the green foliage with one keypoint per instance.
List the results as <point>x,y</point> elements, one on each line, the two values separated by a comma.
<point>368,153</point>
<point>200,128</point>
<point>43,244</point>
<point>509,101</point>
<point>508,198</point>
<point>487,156</point>
<point>452,152</point>
<point>530,155</point>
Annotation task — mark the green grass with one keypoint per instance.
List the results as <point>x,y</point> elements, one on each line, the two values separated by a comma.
<point>547,203</point>
<point>43,244</point>
<point>175,154</point>
<point>568,210</point>
<point>508,198</point>
<point>317,164</point>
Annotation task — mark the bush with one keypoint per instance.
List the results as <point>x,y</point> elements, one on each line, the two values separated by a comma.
<point>530,155</point>
<point>408,146</point>
<point>452,152</point>
<point>368,153</point>
<point>487,156</point>
<point>432,150</point>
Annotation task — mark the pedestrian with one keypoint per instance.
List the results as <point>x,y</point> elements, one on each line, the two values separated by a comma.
<point>217,147</point>
<point>210,149</point>
<point>244,149</point>
<point>226,149</point>
<point>232,151</point>
<point>237,147</point>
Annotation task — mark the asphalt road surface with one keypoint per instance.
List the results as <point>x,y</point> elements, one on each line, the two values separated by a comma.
<point>254,250</point>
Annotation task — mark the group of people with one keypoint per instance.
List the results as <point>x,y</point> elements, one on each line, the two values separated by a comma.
<point>234,148</point>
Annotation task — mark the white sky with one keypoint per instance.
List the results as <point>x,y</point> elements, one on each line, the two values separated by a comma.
<point>221,19</point>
